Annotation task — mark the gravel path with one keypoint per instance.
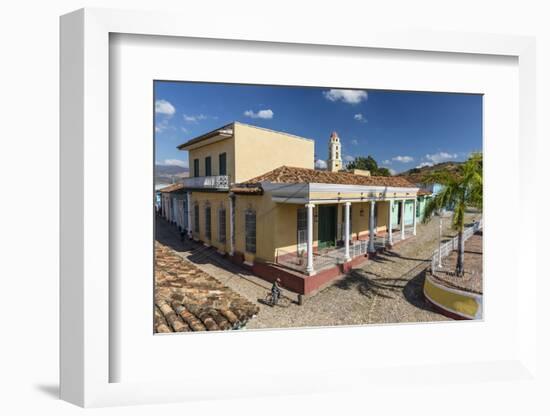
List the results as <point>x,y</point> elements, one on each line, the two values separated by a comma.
<point>387,289</point>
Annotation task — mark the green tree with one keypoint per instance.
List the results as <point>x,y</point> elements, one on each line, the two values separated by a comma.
<point>368,163</point>
<point>461,189</point>
<point>383,172</point>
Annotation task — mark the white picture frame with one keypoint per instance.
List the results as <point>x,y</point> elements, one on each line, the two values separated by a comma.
<point>86,356</point>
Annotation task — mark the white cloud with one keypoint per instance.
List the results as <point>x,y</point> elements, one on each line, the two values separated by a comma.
<point>403,159</point>
<point>265,114</point>
<point>386,162</point>
<point>392,171</point>
<point>164,107</point>
<point>424,164</point>
<point>354,142</point>
<point>195,118</point>
<point>320,164</point>
<point>176,162</point>
<point>441,157</point>
<point>349,158</point>
<point>360,118</point>
<point>162,125</point>
<point>346,96</point>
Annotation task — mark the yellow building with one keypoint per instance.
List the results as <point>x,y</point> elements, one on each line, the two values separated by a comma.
<point>254,196</point>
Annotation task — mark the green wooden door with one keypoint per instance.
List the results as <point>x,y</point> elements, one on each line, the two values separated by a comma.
<point>327,226</point>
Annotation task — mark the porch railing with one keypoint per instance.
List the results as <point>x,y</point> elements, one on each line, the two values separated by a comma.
<point>297,260</point>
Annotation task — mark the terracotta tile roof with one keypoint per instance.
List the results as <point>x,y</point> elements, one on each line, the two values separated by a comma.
<point>188,299</point>
<point>287,174</point>
<point>172,188</point>
<point>423,192</point>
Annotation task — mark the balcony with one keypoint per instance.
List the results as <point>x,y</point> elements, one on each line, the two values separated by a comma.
<point>208,182</point>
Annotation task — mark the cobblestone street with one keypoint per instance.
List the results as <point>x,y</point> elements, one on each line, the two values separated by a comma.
<point>387,289</point>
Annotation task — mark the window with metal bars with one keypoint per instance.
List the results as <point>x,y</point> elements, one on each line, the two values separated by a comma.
<point>208,222</point>
<point>221,225</point>
<point>196,219</point>
<point>250,231</point>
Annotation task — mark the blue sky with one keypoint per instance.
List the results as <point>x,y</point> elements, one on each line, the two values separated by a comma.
<point>401,130</point>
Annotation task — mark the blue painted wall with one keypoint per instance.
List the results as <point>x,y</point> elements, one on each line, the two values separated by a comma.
<point>409,213</point>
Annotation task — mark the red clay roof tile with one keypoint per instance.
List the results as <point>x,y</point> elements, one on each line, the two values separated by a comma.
<point>287,174</point>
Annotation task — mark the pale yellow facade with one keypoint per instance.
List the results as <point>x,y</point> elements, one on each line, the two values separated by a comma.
<point>213,150</point>
<point>258,151</point>
<point>252,151</point>
<point>217,201</point>
<point>276,223</point>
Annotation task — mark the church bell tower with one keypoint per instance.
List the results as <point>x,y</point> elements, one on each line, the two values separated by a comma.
<point>334,153</point>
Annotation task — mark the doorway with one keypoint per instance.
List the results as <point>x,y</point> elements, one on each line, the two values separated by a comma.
<point>327,226</point>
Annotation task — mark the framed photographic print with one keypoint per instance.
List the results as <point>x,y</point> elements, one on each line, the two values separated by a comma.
<point>328,211</point>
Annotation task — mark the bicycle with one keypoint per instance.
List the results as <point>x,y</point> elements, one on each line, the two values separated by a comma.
<point>281,301</point>
<point>270,300</point>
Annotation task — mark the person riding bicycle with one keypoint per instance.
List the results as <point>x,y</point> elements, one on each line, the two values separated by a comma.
<point>275,291</point>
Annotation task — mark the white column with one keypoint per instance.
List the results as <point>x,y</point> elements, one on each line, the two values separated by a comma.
<point>346,230</point>
<point>189,223</point>
<point>390,226</point>
<point>231,225</point>
<point>402,219</point>
<point>309,268</point>
<point>414,216</point>
<point>371,227</point>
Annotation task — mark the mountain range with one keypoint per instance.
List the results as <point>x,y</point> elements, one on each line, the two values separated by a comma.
<point>170,173</point>
<point>417,175</point>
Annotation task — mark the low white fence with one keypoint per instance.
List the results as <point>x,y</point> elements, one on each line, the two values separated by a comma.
<point>452,245</point>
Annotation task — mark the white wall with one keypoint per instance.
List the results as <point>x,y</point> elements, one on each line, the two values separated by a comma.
<point>29,155</point>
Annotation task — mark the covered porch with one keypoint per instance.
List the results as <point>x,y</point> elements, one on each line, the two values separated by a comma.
<point>331,233</point>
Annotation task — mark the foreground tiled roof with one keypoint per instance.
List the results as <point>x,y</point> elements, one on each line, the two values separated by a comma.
<point>188,299</point>
<point>172,188</point>
<point>287,174</point>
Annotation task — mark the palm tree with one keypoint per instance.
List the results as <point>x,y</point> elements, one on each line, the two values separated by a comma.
<point>461,189</point>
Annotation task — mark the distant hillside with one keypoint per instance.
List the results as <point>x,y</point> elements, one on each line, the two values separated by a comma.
<point>417,175</point>
<point>170,173</point>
